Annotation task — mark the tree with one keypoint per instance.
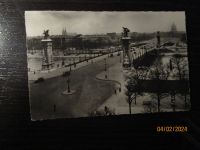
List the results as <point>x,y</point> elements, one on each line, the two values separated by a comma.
<point>157,73</point>
<point>180,66</point>
<point>133,85</point>
<point>185,93</point>
<point>129,93</point>
<point>138,75</point>
<point>173,95</point>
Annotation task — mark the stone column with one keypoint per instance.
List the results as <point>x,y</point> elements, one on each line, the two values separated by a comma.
<point>47,54</point>
<point>158,39</point>
<point>126,52</point>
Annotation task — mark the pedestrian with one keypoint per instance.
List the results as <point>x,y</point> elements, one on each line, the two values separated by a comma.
<point>120,89</point>
<point>115,91</point>
<point>106,110</point>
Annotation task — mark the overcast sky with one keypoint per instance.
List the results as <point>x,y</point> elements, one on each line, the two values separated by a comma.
<point>88,22</point>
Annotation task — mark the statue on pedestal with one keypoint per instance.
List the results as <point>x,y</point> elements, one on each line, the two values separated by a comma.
<point>47,51</point>
<point>125,31</point>
<point>46,34</point>
<point>126,51</point>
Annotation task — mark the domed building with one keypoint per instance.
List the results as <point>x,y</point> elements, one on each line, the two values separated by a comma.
<point>173,29</point>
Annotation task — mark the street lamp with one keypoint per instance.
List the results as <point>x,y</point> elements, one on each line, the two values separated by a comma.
<point>63,62</point>
<point>67,74</point>
<point>70,64</point>
<point>120,57</point>
<point>105,64</point>
<point>105,68</point>
<point>74,62</point>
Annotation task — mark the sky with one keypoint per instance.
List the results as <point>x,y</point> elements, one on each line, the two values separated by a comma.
<point>93,22</point>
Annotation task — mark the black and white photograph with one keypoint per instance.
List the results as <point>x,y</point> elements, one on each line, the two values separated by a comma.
<point>102,63</point>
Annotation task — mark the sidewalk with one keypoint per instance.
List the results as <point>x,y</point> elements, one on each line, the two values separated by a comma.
<point>32,76</point>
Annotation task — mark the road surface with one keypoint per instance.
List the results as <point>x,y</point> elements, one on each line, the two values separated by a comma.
<point>90,93</point>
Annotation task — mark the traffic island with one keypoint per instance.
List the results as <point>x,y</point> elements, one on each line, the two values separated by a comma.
<point>66,92</point>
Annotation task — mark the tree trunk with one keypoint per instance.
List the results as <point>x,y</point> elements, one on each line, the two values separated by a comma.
<point>185,100</point>
<point>135,97</point>
<point>158,98</point>
<point>130,108</point>
<point>174,109</point>
<point>179,72</point>
<point>68,87</point>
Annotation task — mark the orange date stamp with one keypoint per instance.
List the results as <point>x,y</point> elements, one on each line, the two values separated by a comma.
<point>172,129</point>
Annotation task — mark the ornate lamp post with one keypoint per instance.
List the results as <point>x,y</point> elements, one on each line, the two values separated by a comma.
<point>68,91</point>
<point>158,39</point>
<point>105,64</point>
<point>120,57</point>
<point>105,67</point>
<point>67,74</point>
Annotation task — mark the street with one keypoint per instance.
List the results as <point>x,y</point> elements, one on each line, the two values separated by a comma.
<point>89,94</point>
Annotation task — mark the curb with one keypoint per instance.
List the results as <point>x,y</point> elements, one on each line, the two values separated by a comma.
<point>109,80</point>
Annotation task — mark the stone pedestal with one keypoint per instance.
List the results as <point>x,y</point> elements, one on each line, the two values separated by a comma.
<point>47,62</point>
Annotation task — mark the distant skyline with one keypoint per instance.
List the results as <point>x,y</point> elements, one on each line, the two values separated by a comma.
<point>93,22</point>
